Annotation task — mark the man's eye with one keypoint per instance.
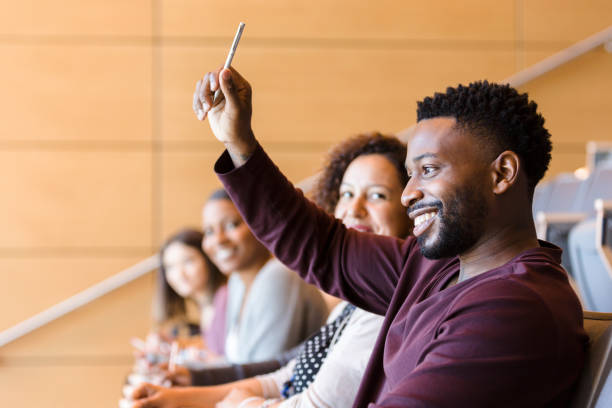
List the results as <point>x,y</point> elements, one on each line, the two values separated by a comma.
<point>428,170</point>
<point>378,196</point>
<point>346,194</point>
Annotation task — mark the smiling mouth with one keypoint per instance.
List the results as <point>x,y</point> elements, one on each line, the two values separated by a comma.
<point>224,254</point>
<point>423,221</point>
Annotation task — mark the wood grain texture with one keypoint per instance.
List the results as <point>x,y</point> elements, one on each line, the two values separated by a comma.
<point>345,19</point>
<point>575,98</point>
<point>563,21</point>
<point>74,17</point>
<point>188,179</point>
<point>101,328</point>
<point>75,93</point>
<point>71,386</point>
<point>36,282</point>
<point>316,95</point>
<point>78,199</point>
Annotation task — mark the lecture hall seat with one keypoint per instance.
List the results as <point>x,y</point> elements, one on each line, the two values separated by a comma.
<point>595,387</point>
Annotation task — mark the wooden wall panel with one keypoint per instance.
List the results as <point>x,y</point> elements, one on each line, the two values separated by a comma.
<point>75,17</point>
<point>575,98</point>
<point>70,386</point>
<point>188,179</point>
<point>101,328</point>
<point>101,156</point>
<point>563,21</point>
<point>344,19</point>
<point>75,93</point>
<point>37,282</point>
<point>320,95</point>
<point>564,161</point>
<point>78,199</point>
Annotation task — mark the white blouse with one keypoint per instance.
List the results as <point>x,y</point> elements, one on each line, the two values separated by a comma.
<point>338,379</point>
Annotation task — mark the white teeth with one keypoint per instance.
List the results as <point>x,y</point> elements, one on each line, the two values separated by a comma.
<point>423,217</point>
<point>223,254</point>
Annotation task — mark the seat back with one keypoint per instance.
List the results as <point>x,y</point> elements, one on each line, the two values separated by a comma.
<point>595,387</point>
<point>541,196</point>
<point>563,193</point>
<point>588,269</point>
<point>598,185</point>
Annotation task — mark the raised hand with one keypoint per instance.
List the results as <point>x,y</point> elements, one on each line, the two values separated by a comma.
<point>229,115</point>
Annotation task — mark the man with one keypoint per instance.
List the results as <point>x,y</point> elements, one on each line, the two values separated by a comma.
<point>478,312</point>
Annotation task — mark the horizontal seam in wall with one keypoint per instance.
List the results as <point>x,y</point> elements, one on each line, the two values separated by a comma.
<point>145,147</point>
<point>65,360</point>
<point>275,42</point>
<point>75,145</point>
<point>194,146</point>
<point>75,252</point>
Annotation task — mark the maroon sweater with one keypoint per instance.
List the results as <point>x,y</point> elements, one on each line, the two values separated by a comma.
<point>510,337</point>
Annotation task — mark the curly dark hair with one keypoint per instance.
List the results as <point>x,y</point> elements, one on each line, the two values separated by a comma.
<point>502,116</point>
<point>327,190</point>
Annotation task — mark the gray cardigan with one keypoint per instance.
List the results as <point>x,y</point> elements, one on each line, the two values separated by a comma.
<point>280,311</point>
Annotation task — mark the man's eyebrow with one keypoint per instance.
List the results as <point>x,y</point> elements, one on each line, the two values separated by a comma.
<point>422,156</point>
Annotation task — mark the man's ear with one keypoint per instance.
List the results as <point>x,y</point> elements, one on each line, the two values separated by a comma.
<point>504,171</point>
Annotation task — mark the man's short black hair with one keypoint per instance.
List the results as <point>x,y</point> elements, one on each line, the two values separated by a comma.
<point>507,119</point>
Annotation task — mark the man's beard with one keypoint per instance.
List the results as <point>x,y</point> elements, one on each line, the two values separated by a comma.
<point>461,222</point>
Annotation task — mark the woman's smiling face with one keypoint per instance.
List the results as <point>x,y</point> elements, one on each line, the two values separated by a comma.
<point>370,197</point>
<point>228,241</point>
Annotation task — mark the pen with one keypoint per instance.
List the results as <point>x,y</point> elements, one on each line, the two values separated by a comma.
<point>230,56</point>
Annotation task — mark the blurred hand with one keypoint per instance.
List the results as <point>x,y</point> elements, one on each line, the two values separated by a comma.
<point>230,115</point>
<point>181,376</point>
<point>154,396</point>
<point>235,397</point>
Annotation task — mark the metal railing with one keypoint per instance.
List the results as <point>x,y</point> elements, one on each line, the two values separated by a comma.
<point>80,299</point>
<point>603,37</point>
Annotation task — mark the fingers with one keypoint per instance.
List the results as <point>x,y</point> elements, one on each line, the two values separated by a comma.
<point>222,84</point>
<point>227,86</point>
<point>197,105</point>
<point>146,403</point>
<point>203,95</point>
<point>206,93</point>
<point>143,391</point>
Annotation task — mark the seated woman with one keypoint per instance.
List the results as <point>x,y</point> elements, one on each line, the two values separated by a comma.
<point>361,184</point>
<point>269,308</point>
<point>185,275</point>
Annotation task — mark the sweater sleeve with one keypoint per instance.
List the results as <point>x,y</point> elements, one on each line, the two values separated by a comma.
<point>495,340</point>
<point>359,267</point>
<point>272,383</point>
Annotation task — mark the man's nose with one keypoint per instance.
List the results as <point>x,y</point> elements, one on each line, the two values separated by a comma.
<point>411,195</point>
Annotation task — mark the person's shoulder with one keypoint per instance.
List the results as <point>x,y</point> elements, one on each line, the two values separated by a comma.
<point>365,318</point>
<point>504,294</point>
<point>275,268</point>
<point>275,276</point>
